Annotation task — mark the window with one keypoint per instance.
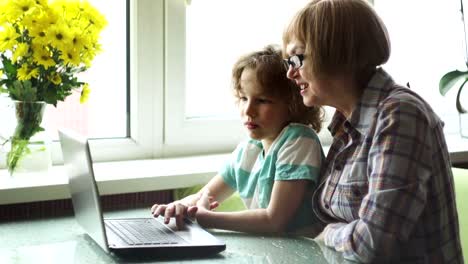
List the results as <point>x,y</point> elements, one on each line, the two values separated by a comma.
<point>216,34</point>
<point>161,86</point>
<point>427,42</point>
<point>106,117</point>
<point>108,80</point>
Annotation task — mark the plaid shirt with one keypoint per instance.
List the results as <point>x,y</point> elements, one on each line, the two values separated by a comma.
<point>387,189</point>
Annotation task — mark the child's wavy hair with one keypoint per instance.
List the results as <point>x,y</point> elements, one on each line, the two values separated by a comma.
<point>271,74</point>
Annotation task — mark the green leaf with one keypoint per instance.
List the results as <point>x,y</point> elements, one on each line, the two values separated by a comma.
<point>30,92</point>
<point>10,69</point>
<point>450,79</point>
<point>50,97</point>
<point>459,106</point>
<point>3,82</point>
<point>23,91</point>
<point>15,90</point>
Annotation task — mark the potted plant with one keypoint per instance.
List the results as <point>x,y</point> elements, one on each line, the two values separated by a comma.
<point>458,79</point>
<point>44,45</point>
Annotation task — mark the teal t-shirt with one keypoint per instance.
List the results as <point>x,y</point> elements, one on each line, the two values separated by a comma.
<point>296,154</point>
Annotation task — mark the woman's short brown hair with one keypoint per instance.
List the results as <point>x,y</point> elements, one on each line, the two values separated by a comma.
<point>271,74</point>
<point>340,36</point>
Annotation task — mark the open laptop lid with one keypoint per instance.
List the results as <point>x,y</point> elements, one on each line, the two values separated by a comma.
<point>82,184</point>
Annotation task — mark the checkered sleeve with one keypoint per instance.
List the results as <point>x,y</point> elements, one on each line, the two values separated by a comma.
<point>399,166</point>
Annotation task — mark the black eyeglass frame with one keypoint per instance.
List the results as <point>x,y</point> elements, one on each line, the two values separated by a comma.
<point>296,61</point>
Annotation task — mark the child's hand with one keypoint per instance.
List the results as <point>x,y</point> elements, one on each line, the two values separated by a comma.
<point>179,209</point>
<point>204,205</point>
<point>175,209</point>
<point>206,201</point>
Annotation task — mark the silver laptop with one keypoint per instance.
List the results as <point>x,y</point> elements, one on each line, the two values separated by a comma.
<point>129,236</point>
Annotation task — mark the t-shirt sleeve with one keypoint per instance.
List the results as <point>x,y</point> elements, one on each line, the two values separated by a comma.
<point>227,171</point>
<point>299,159</point>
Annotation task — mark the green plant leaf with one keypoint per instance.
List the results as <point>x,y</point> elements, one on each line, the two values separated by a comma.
<point>10,69</point>
<point>23,91</point>
<point>450,79</point>
<point>459,106</point>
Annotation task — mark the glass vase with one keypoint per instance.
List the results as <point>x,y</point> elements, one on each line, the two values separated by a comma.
<point>29,145</point>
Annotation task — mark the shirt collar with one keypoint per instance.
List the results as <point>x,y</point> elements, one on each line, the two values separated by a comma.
<point>363,115</point>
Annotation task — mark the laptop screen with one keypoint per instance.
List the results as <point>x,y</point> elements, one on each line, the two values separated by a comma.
<point>82,184</point>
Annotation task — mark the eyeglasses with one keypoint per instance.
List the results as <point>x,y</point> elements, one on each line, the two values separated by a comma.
<point>295,61</point>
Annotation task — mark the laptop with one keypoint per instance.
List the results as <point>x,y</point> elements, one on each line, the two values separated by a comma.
<point>126,236</point>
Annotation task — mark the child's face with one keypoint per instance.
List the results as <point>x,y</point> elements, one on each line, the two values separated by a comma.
<point>263,115</point>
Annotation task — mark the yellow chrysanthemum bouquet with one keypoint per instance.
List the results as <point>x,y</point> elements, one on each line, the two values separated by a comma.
<point>44,45</point>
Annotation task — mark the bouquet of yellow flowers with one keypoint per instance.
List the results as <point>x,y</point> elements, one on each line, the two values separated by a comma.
<point>43,46</point>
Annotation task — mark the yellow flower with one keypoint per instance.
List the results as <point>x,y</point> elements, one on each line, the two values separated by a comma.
<point>20,52</point>
<point>59,35</point>
<point>94,18</point>
<point>8,38</point>
<point>3,12</point>
<point>30,21</point>
<point>61,5</point>
<point>27,72</point>
<point>78,39</point>
<point>49,17</point>
<point>23,6</point>
<point>90,51</point>
<point>49,43</point>
<point>55,78</point>
<point>39,37</point>
<point>42,3</point>
<point>42,56</point>
<point>70,8</point>
<point>85,93</point>
<point>38,30</point>
<point>18,8</point>
<point>71,57</point>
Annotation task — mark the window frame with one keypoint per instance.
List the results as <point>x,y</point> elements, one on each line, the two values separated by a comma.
<point>207,135</point>
<point>144,101</point>
<point>158,127</point>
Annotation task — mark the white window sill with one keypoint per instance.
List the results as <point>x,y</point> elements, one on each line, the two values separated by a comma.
<point>113,178</point>
<point>142,175</point>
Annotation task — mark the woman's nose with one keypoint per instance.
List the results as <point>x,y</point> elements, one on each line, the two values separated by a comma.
<point>292,73</point>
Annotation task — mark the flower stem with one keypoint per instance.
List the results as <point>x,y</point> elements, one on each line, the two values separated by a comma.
<point>29,119</point>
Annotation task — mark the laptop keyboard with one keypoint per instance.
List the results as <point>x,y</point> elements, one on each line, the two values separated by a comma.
<point>143,232</point>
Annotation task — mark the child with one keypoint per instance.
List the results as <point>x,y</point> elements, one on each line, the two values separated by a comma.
<point>276,170</point>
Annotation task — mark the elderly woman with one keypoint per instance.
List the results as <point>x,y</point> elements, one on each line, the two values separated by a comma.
<point>386,191</point>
